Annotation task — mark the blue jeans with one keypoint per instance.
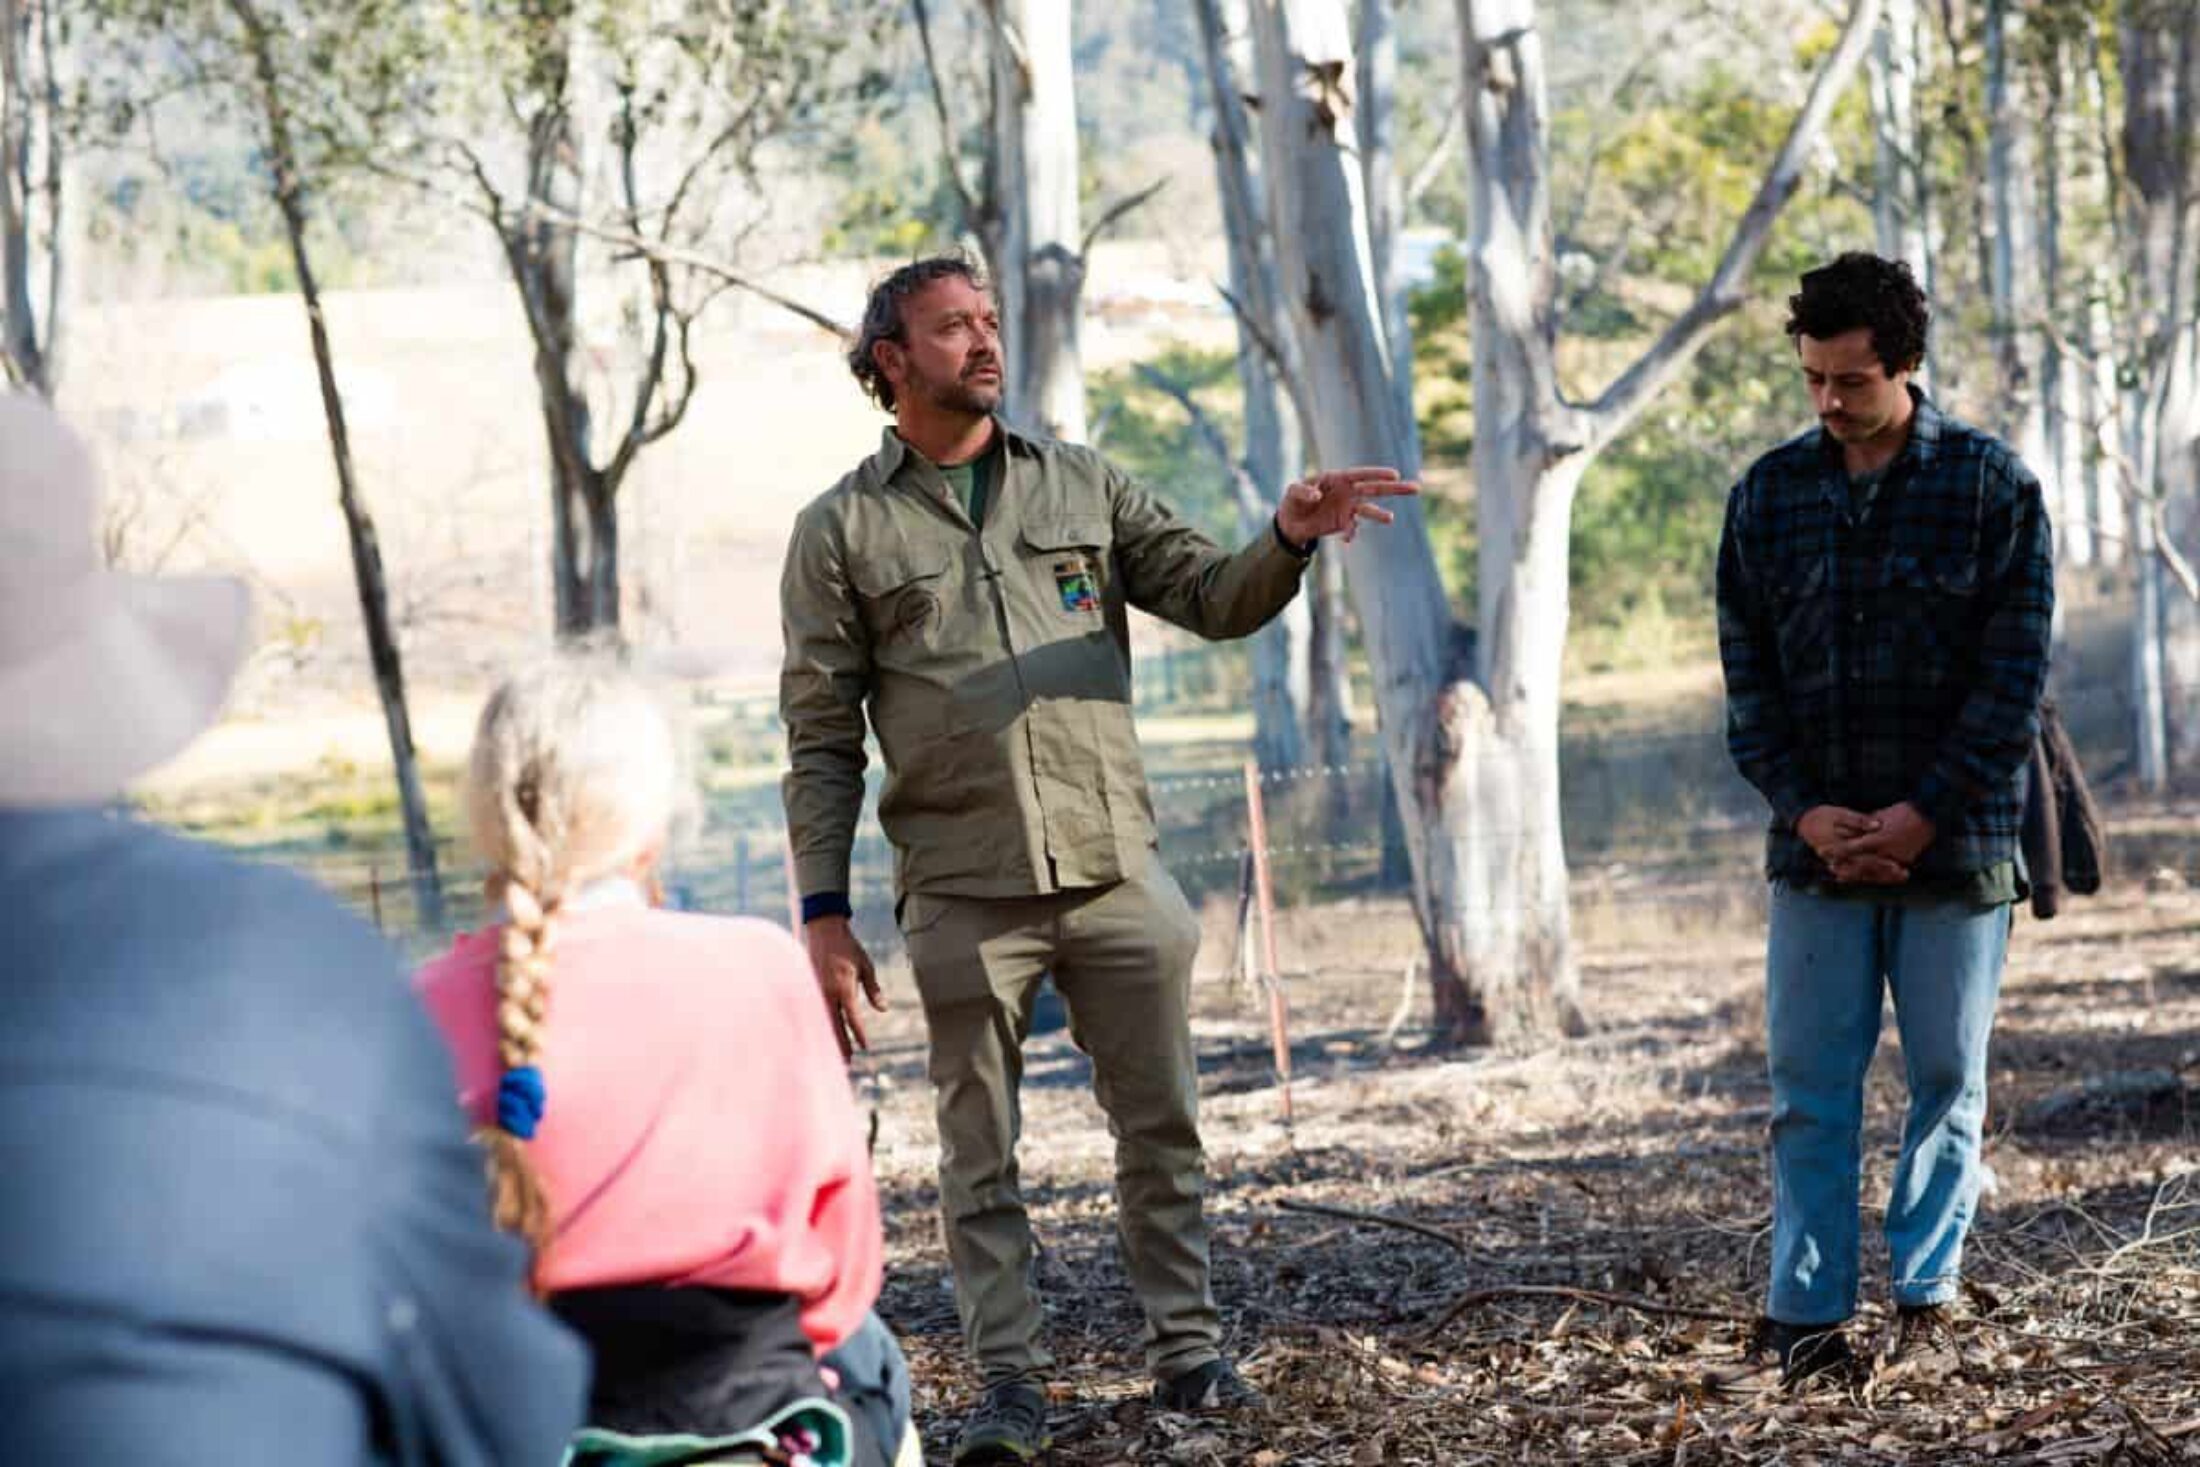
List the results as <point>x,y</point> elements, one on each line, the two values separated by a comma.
<point>1824,965</point>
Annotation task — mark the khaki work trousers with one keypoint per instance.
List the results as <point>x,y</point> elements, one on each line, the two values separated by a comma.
<point>1121,957</point>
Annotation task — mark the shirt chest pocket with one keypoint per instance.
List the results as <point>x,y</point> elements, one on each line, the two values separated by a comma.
<point>902,594</point>
<point>1066,563</point>
<point>1929,608</point>
<point>1803,609</point>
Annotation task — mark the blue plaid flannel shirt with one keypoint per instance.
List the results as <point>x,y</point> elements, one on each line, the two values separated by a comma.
<point>1894,654</point>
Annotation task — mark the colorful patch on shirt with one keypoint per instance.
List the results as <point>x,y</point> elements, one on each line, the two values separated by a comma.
<point>1074,581</point>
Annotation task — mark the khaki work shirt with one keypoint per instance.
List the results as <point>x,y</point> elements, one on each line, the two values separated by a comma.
<point>994,665</point>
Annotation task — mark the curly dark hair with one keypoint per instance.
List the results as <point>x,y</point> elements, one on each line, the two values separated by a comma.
<point>882,314</point>
<point>1864,290</point>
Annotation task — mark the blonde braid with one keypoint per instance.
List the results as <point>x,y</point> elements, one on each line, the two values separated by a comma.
<point>572,777</point>
<point>524,947</point>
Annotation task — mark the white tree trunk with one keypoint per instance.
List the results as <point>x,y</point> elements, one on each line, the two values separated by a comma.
<point>1531,449</point>
<point>2107,506</point>
<point>1282,651</point>
<point>1470,723</point>
<point>1902,212</point>
<point>1377,46</point>
<point>2161,73</point>
<point>30,185</point>
<point>1317,207</point>
<point>1038,264</point>
<point>2100,443</point>
<point>2062,460</point>
<point>2017,399</point>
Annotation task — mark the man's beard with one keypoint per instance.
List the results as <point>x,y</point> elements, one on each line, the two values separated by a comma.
<point>964,396</point>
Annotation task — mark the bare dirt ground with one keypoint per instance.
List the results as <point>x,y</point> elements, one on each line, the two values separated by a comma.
<point>1590,1219</point>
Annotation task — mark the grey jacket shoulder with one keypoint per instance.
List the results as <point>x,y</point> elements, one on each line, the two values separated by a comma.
<point>236,1160</point>
<point>122,937</point>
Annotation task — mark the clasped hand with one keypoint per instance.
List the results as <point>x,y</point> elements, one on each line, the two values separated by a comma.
<point>1875,849</point>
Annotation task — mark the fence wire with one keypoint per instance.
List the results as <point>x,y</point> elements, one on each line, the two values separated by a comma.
<point>1649,818</point>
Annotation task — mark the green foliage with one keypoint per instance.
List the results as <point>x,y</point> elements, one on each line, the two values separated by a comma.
<point>234,101</point>
<point>1147,433</point>
<point>895,201</point>
<point>340,81</point>
<point>1646,521</point>
<point>1443,409</point>
<point>1666,190</point>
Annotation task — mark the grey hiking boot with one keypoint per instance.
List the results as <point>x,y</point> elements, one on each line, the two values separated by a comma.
<point>1008,1426</point>
<point>1782,1356</point>
<point>1215,1386</point>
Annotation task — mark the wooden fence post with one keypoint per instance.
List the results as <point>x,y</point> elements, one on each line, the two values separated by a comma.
<point>1279,1013</point>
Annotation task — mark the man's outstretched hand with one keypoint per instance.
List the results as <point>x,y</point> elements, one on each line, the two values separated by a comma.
<point>1334,503</point>
<point>845,974</point>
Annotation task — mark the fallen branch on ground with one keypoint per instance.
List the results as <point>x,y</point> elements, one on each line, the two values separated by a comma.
<point>1474,1297</point>
<point>1405,1224</point>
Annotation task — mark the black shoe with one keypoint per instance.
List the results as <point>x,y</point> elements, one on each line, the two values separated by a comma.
<point>1782,1356</point>
<point>1215,1386</point>
<point>1009,1425</point>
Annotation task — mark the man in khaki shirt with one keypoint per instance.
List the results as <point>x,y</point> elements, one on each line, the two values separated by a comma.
<point>967,589</point>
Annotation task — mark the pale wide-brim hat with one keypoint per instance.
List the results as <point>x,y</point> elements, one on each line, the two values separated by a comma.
<point>104,675</point>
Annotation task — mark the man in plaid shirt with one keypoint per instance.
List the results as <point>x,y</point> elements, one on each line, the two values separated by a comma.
<point>1885,588</point>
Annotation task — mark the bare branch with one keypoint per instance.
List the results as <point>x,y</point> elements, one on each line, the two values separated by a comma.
<point>2127,473</point>
<point>1271,351</point>
<point>660,295</point>
<point>1404,1224</point>
<point>1615,261</point>
<point>1600,140</point>
<point>690,379</point>
<point>1012,40</point>
<point>1476,1297</point>
<point>1114,213</point>
<point>1096,434</point>
<point>726,137</point>
<point>1250,501</point>
<point>964,199</point>
<point>1625,400</point>
<point>500,212</point>
<point>1439,156</point>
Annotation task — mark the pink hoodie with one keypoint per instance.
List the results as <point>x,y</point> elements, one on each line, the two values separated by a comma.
<point>699,1128</point>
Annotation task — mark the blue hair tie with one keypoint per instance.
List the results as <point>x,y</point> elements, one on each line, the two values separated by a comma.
<point>520,1099</point>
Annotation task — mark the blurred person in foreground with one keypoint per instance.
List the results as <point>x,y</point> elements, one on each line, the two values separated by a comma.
<point>1885,589</point>
<point>241,1220</point>
<point>668,1119</point>
<point>966,593</point>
